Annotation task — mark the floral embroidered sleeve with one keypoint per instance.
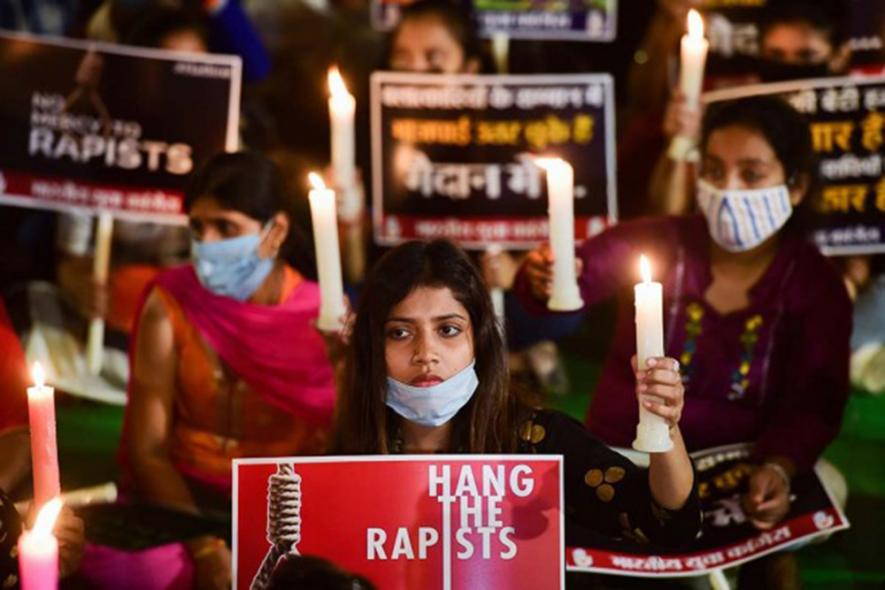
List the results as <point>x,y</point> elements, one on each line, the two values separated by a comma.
<point>605,493</point>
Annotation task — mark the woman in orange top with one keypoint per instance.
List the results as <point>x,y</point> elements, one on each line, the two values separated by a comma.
<point>226,363</point>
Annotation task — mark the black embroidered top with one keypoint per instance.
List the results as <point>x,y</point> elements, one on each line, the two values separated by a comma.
<point>608,500</point>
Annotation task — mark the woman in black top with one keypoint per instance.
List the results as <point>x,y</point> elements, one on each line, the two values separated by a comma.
<point>427,373</point>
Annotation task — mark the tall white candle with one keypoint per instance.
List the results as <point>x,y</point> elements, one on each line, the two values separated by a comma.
<point>325,239</point>
<point>44,448</point>
<point>693,56</point>
<point>101,263</point>
<point>38,551</point>
<point>652,433</point>
<point>565,296</point>
<point>342,107</point>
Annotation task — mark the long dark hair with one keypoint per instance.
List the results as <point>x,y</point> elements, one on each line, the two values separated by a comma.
<point>251,183</point>
<point>785,130</point>
<point>488,422</point>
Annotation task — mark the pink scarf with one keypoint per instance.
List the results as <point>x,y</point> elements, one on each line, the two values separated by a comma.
<point>273,348</point>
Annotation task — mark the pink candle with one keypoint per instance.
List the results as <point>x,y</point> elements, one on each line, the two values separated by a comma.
<point>44,452</point>
<point>38,551</point>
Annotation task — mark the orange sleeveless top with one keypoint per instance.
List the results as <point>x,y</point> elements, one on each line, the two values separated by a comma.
<point>217,416</point>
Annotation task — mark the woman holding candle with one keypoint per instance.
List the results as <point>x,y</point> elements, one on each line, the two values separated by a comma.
<point>757,317</point>
<point>427,373</point>
<point>226,363</point>
<point>797,40</point>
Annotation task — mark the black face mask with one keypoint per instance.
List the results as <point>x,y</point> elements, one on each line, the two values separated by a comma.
<point>776,71</point>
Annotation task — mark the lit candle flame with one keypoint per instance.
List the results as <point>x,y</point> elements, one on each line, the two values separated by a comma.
<point>316,181</point>
<point>46,518</point>
<point>336,83</point>
<point>695,25</point>
<point>644,269</point>
<point>38,374</point>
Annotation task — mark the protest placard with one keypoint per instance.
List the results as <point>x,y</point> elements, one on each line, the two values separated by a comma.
<point>576,20</point>
<point>454,156</point>
<point>728,538</point>
<point>430,522</point>
<point>734,31</point>
<point>848,135</point>
<point>97,127</point>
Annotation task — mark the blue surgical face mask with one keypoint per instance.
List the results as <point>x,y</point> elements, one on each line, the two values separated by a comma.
<point>231,267</point>
<point>434,405</point>
<point>740,220</point>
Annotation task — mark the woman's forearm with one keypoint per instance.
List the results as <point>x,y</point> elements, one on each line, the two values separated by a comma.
<point>158,481</point>
<point>670,474</point>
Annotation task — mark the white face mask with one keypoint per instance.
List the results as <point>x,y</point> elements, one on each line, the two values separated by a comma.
<point>740,220</point>
<point>434,405</point>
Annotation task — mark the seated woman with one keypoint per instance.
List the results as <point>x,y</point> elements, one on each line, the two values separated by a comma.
<point>427,374</point>
<point>226,362</point>
<point>758,318</point>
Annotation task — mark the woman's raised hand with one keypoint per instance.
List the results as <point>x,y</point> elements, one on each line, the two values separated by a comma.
<point>659,388</point>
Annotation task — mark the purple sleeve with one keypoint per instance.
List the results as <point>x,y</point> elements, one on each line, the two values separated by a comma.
<point>611,260</point>
<point>807,414</point>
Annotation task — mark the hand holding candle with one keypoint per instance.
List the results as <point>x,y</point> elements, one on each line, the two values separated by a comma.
<point>44,452</point>
<point>693,56</point>
<point>565,296</point>
<point>38,551</point>
<point>652,433</point>
<point>328,257</point>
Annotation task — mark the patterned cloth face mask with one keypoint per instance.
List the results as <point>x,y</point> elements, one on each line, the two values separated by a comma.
<point>740,220</point>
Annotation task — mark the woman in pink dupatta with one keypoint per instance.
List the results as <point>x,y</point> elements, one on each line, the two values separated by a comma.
<point>226,363</point>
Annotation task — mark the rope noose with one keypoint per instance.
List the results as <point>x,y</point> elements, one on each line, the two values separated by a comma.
<point>283,521</point>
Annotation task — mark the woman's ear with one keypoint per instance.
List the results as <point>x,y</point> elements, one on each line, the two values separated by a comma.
<point>279,231</point>
<point>798,187</point>
<point>471,66</point>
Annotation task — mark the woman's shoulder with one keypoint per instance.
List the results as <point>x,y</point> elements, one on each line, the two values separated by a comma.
<point>547,430</point>
<point>814,278</point>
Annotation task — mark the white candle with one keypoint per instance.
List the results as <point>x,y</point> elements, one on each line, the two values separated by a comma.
<point>38,551</point>
<point>652,433</point>
<point>325,240</point>
<point>101,263</point>
<point>44,450</point>
<point>342,107</point>
<point>693,56</point>
<point>565,296</point>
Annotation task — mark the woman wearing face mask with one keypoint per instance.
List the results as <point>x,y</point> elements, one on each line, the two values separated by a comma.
<point>427,373</point>
<point>757,317</point>
<point>226,364</point>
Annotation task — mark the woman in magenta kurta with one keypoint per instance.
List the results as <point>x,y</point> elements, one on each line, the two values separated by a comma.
<point>758,318</point>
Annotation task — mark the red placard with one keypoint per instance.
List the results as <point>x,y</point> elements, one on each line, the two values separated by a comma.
<point>447,522</point>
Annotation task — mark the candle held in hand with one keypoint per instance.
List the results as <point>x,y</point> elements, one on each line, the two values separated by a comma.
<point>328,258</point>
<point>565,296</point>
<point>693,56</point>
<point>38,550</point>
<point>652,432</point>
<point>44,450</point>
